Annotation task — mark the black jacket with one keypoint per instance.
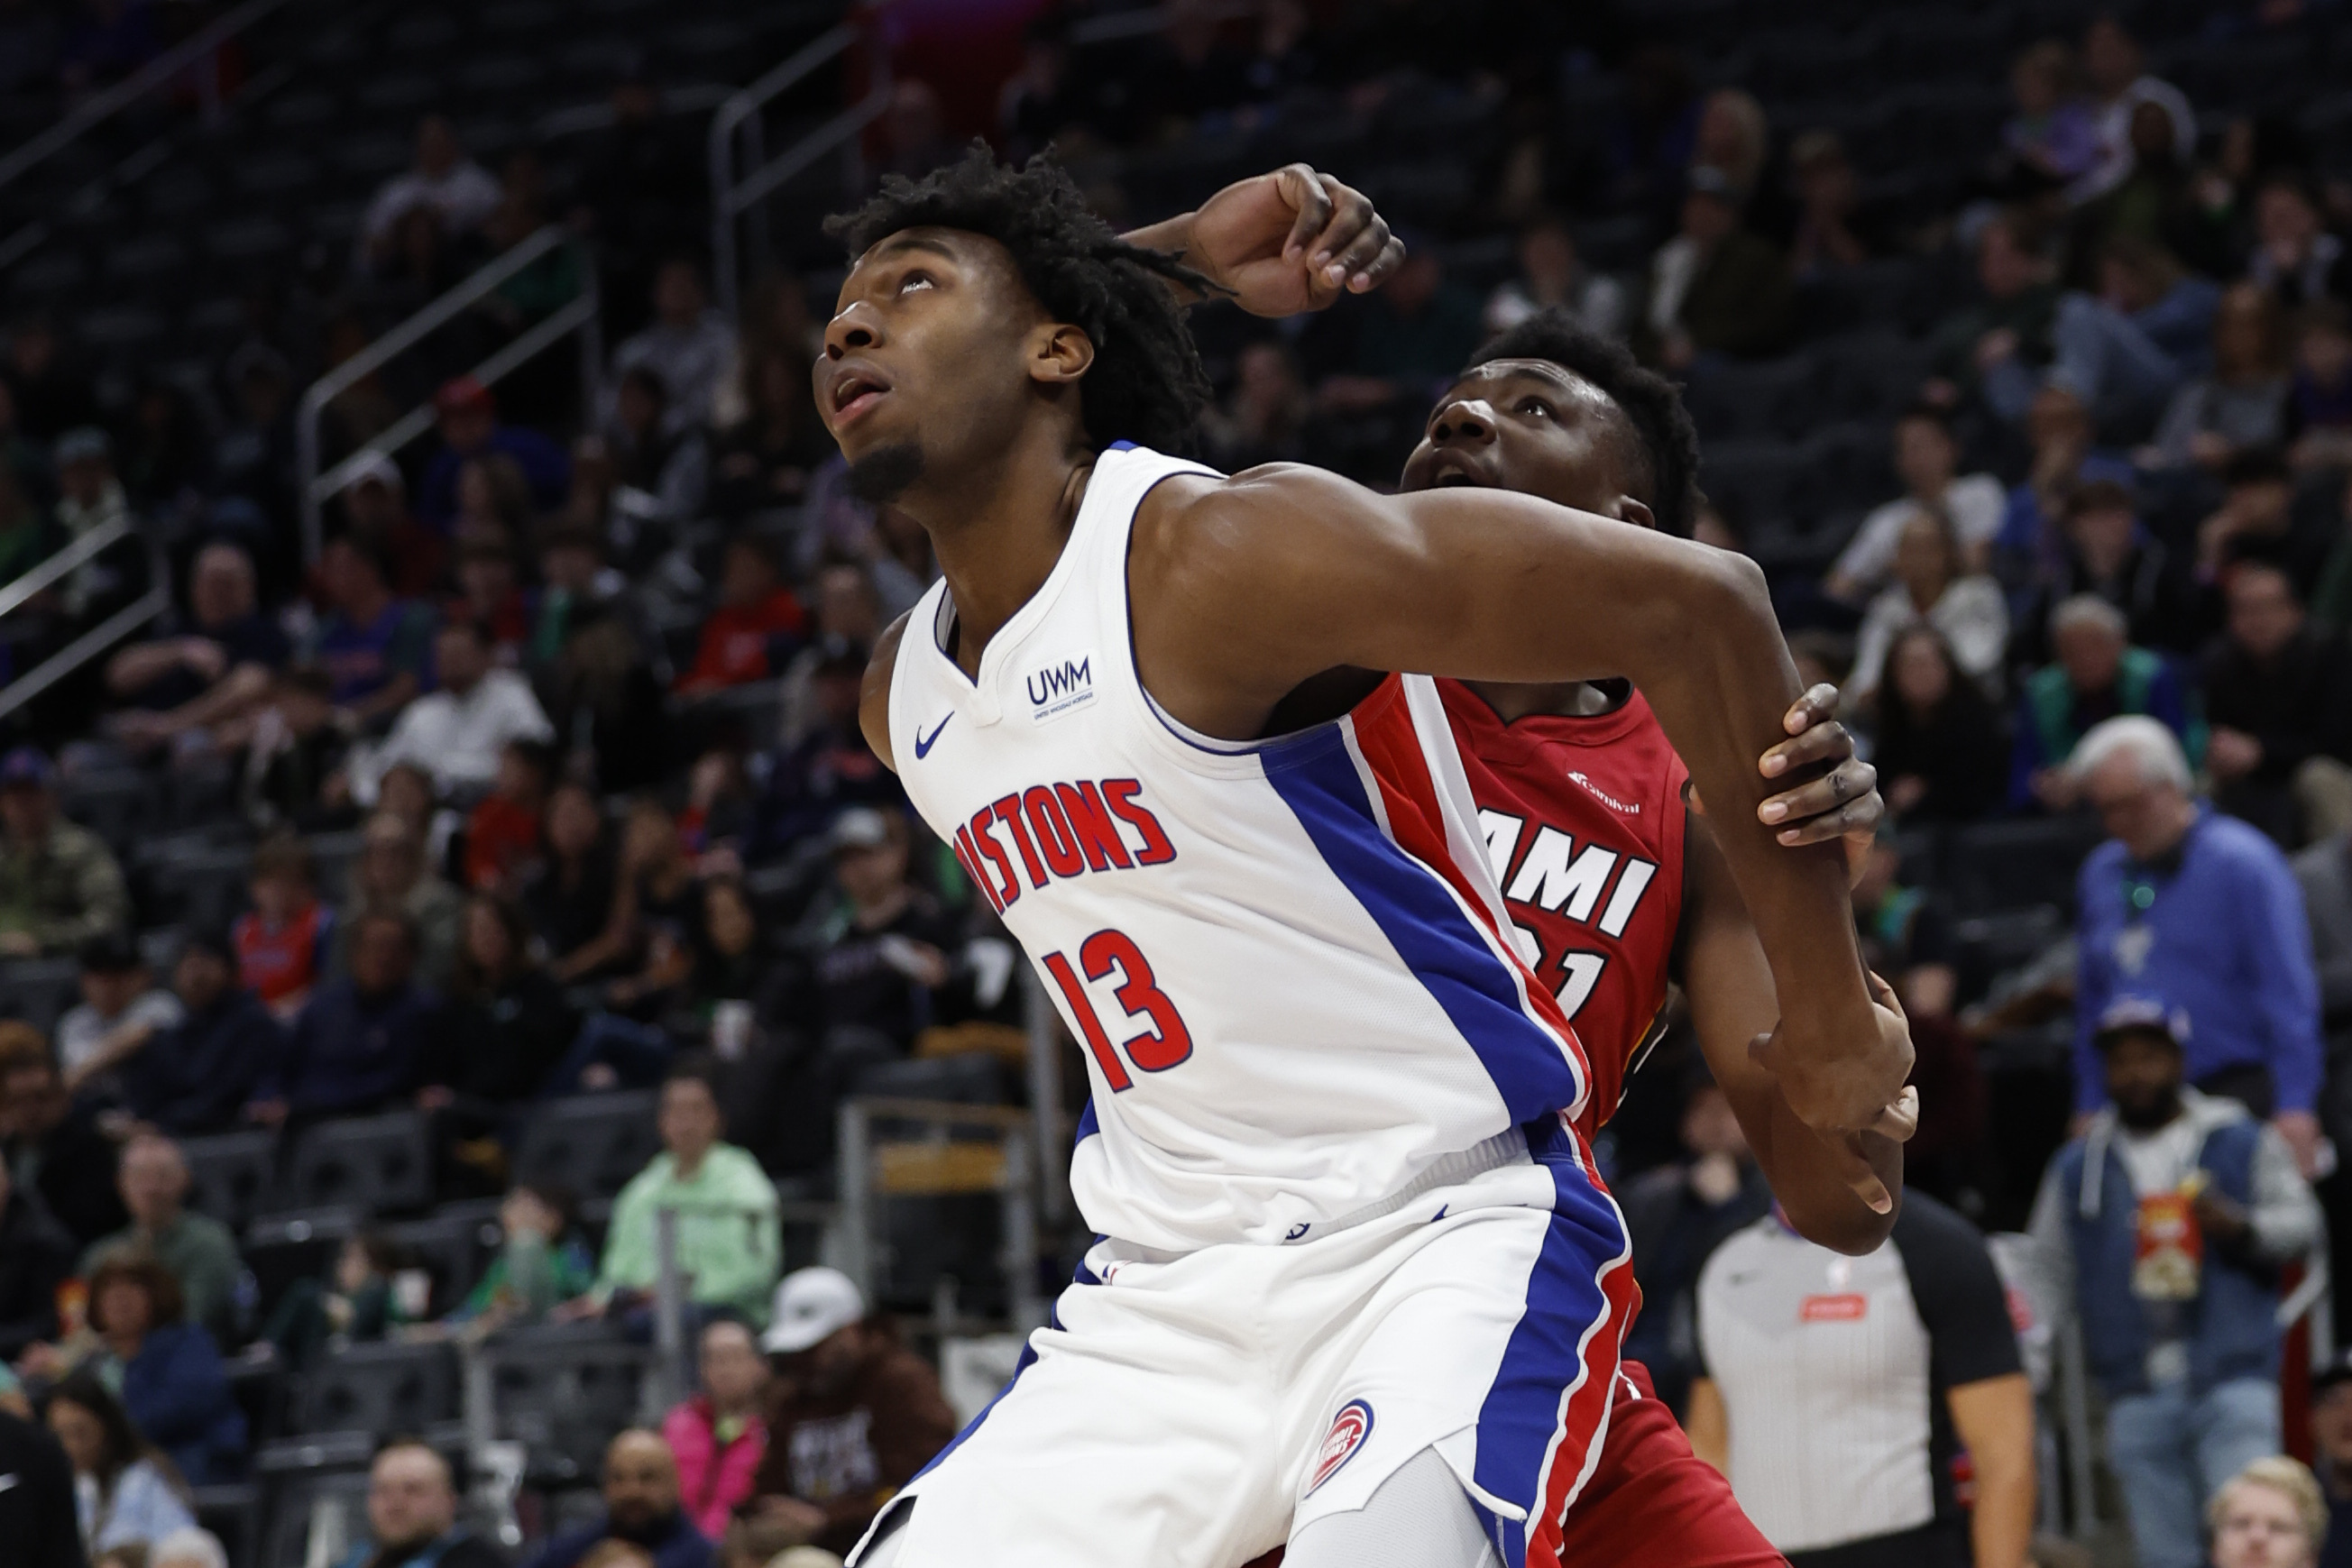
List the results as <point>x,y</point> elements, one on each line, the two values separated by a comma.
<point>500,1050</point>
<point>35,1254</point>
<point>195,1076</point>
<point>76,1177</point>
<point>37,1497</point>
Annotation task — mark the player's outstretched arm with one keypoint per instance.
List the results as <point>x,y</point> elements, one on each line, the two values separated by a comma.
<point>1246,588</point>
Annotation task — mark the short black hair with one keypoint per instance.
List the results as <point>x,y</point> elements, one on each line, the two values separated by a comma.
<point>1146,384</point>
<point>1665,456</point>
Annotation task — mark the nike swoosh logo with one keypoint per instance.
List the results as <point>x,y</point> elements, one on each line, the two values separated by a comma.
<point>923,743</point>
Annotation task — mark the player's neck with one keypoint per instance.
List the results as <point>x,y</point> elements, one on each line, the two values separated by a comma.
<point>1566,699</point>
<point>998,530</point>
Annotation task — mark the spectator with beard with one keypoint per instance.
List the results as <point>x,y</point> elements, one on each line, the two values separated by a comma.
<point>1939,742</point>
<point>641,1508</point>
<point>2098,674</point>
<point>193,1076</point>
<point>2279,698</point>
<point>854,1416</point>
<point>2159,1229</point>
<point>52,1142</point>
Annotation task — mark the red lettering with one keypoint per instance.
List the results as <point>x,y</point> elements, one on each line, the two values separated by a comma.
<point>1089,1025</point>
<point>997,858</point>
<point>1082,808</point>
<point>1008,811</point>
<point>1052,830</point>
<point>968,858</point>
<point>1168,1042</point>
<point>1120,793</point>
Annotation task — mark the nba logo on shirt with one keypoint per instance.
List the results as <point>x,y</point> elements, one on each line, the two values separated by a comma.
<point>1060,687</point>
<point>1348,1430</point>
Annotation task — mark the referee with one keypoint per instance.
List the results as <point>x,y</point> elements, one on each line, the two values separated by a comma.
<point>1838,1395</point>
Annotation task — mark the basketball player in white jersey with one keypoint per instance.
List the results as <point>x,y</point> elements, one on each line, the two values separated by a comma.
<point>1348,1226</point>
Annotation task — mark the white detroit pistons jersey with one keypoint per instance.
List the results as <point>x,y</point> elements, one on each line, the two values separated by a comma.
<point>1286,961</point>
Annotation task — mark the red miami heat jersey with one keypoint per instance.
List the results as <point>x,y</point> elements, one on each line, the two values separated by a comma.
<point>1583,819</point>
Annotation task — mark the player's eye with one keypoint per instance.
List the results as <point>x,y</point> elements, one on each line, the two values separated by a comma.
<point>1536,406</point>
<point>915,280</point>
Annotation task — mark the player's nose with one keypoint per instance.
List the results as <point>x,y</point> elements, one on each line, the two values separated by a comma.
<point>1464,422</point>
<point>856,326</point>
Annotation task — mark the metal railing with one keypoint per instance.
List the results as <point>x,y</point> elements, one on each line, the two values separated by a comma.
<point>873,1169</point>
<point>315,488</point>
<point>147,606</point>
<point>738,121</point>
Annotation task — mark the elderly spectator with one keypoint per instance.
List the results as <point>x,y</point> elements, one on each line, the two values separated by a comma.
<point>2270,1514</point>
<point>119,997</point>
<point>468,417</point>
<point>358,1044</point>
<point>689,346</point>
<point>2240,404</point>
<point>756,614</point>
<point>412,1514</point>
<point>459,193</point>
<point>376,649</point>
<point>720,1434</point>
<point>1898,1354</point>
<point>1927,459</point>
<point>198,1250</point>
<point>391,876</point>
<point>728,1241</point>
<point>1675,1217</point>
<point>1551,273</point>
<point>38,1516</point>
<point>2120,84</point>
<point>59,885</point>
<point>456,733</point>
<point>2098,674</point>
<point>1714,288</point>
<point>219,668</point>
<point>2295,258</point>
<point>196,1075</point>
<point>1938,736</point>
<point>2159,1228</point>
<point>52,1142</point>
<point>35,1256</point>
<point>855,1415</point>
<point>641,1508</point>
<point>125,1490</point>
<point>1934,587</point>
<point>2278,693</point>
<point>1995,345</point>
<point>2202,907</point>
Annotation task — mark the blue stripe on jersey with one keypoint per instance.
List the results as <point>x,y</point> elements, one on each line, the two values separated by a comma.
<point>1522,1410</point>
<point>1317,778</point>
<point>1087,1125</point>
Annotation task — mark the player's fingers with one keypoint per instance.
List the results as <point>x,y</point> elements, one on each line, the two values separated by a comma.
<point>1819,702</point>
<point>1303,190</point>
<point>1900,1119</point>
<point>1848,780</point>
<point>1863,1176</point>
<point>1824,740</point>
<point>1364,251</point>
<point>1391,256</point>
<point>1347,212</point>
<point>1880,991</point>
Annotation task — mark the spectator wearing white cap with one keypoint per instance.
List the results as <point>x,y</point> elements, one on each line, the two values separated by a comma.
<point>855,1415</point>
<point>2160,1229</point>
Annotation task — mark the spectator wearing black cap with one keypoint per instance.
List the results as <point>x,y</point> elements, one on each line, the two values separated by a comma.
<point>59,885</point>
<point>119,996</point>
<point>2159,1228</point>
<point>2331,1444</point>
<point>1714,288</point>
<point>467,416</point>
<point>193,1076</point>
<point>2278,693</point>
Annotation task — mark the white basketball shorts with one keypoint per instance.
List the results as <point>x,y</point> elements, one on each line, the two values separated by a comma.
<point>1192,1410</point>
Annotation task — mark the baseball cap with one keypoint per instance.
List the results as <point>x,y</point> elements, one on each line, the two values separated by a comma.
<point>812,1304</point>
<point>2141,1014</point>
<point>27,765</point>
<point>859,827</point>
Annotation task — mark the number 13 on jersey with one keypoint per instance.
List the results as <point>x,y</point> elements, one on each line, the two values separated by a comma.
<point>1160,1047</point>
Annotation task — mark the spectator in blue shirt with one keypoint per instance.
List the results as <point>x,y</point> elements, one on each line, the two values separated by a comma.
<point>468,418</point>
<point>377,650</point>
<point>359,1044</point>
<point>2202,912</point>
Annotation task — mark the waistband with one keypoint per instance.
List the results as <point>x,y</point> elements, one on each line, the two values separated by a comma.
<point>1507,1147</point>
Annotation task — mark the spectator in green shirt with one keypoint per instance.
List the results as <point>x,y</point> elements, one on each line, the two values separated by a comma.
<point>59,885</point>
<point>729,1244</point>
<point>197,1248</point>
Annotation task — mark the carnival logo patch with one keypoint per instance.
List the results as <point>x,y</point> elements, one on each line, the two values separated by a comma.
<point>1348,1430</point>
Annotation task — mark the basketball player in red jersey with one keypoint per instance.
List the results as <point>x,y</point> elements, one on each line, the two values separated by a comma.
<point>1604,867</point>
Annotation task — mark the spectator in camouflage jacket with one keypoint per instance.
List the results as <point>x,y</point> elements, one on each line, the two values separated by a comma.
<point>60,886</point>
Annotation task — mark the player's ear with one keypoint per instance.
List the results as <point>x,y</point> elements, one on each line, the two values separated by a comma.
<point>1059,351</point>
<point>1637,513</point>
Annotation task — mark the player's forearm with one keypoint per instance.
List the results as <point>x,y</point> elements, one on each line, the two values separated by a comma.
<point>1811,1188</point>
<point>2000,1528</point>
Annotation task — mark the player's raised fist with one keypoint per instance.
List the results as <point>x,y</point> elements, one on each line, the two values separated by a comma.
<point>1291,240</point>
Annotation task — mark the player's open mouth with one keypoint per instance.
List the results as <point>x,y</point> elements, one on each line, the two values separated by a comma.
<point>854,392</point>
<point>1451,472</point>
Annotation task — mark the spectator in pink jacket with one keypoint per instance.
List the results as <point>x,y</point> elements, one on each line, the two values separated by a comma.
<point>717,1435</point>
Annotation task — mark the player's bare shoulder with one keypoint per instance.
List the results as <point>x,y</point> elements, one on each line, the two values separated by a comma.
<point>874,695</point>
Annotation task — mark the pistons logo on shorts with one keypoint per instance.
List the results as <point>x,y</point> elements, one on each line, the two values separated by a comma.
<point>1348,1430</point>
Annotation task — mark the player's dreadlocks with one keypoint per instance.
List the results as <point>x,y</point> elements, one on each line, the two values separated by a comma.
<point>1146,383</point>
<point>1666,462</point>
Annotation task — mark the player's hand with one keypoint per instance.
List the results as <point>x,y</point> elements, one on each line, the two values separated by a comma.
<point>1843,803</point>
<point>1291,241</point>
<point>1841,1088</point>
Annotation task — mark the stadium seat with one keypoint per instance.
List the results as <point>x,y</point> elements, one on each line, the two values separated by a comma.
<point>382,1164</point>
<point>591,1143</point>
<point>565,1394</point>
<point>452,1246</point>
<point>377,1388</point>
<point>2004,867</point>
<point>39,990</point>
<point>299,1244</point>
<point>971,1078</point>
<point>232,1176</point>
<point>232,1512</point>
<point>118,804</point>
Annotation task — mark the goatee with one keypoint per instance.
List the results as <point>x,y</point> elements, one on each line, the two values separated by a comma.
<point>886,473</point>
